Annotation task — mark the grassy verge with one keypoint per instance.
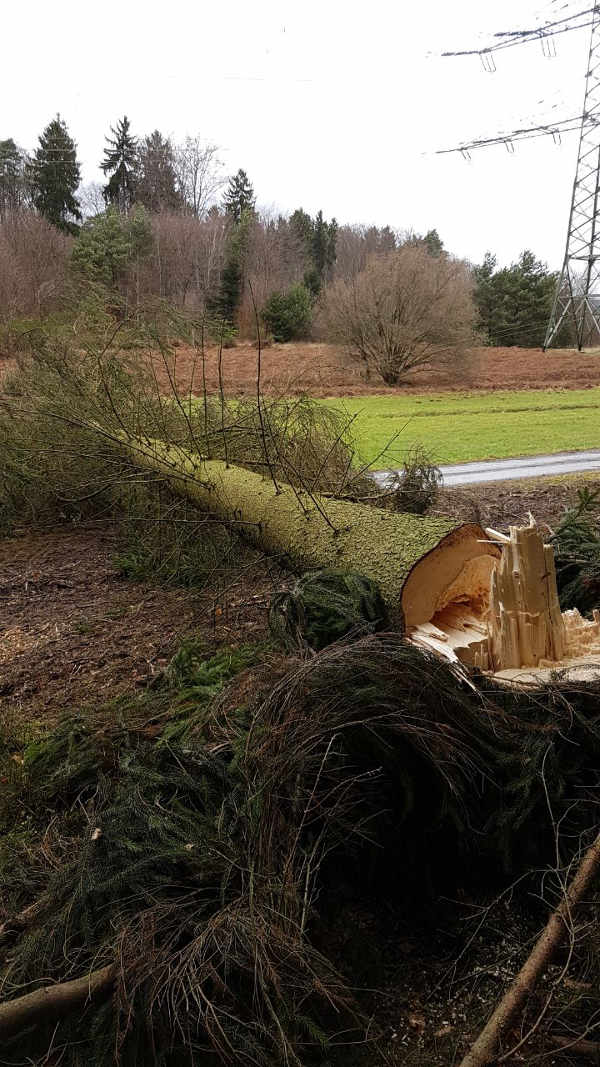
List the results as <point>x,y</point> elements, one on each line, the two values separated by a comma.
<point>459,427</point>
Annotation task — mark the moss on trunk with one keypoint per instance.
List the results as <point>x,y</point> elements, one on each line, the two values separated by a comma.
<point>383,545</point>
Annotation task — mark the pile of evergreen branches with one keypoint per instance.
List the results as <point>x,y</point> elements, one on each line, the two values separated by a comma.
<point>183,838</point>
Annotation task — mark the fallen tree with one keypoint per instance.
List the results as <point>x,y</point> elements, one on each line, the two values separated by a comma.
<point>478,597</point>
<point>421,563</point>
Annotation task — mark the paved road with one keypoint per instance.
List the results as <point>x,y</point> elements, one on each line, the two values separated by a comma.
<point>499,470</point>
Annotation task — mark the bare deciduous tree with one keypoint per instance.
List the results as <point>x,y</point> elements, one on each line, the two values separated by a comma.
<point>199,174</point>
<point>34,258</point>
<point>403,310</point>
<point>91,199</point>
<point>187,258</point>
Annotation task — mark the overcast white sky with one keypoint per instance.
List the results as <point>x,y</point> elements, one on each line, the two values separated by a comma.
<point>332,104</point>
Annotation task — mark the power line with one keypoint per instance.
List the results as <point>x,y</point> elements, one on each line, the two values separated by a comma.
<point>554,129</point>
<point>577,298</point>
<point>511,38</point>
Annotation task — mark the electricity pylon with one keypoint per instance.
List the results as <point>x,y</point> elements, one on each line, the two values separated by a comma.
<point>577,299</point>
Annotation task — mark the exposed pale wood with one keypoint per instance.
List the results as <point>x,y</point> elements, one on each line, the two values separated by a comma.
<point>504,615</point>
<point>495,535</point>
<point>525,622</point>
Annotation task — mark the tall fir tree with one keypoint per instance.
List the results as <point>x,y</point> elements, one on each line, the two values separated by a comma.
<point>55,175</point>
<point>302,226</point>
<point>323,248</point>
<point>239,197</point>
<point>225,303</point>
<point>486,296</point>
<point>156,185</point>
<point>120,161</point>
<point>319,239</point>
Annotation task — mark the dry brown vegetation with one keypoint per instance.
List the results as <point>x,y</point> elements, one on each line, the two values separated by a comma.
<point>405,310</point>
<point>322,370</point>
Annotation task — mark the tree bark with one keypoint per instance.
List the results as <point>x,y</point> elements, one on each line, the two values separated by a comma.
<point>312,532</point>
<point>53,1002</point>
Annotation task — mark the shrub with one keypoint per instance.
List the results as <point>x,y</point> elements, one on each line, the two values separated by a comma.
<point>288,315</point>
<point>415,487</point>
<point>403,310</point>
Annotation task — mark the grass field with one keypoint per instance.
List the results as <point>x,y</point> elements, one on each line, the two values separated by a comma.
<point>459,427</point>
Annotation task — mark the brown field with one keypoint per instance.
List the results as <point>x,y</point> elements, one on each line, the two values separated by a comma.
<point>325,370</point>
<point>321,369</point>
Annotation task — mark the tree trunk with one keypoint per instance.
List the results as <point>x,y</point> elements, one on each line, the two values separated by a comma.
<point>413,558</point>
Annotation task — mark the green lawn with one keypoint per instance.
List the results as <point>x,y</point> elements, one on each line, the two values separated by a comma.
<point>456,427</point>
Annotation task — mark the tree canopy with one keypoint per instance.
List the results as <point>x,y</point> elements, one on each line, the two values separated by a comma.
<point>13,182</point>
<point>514,303</point>
<point>55,176</point>
<point>120,162</point>
<point>109,242</point>
<point>156,183</point>
<point>239,196</point>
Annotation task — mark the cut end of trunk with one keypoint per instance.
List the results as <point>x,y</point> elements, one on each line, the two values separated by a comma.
<point>493,604</point>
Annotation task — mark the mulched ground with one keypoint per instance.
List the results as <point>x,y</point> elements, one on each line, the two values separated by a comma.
<point>72,630</point>
<point>504,504</point>
<point>325,370</point>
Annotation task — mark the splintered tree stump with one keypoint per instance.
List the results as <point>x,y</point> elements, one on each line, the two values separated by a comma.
<point>517,625</point>
<point>524,622</point>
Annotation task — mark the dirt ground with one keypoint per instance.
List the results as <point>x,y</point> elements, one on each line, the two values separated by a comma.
<point>504,504</point>
<point>72,630</point>
<point>325,370</point>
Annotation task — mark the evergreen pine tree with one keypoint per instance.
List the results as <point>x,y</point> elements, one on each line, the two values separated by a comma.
<point>302,226</point>
<point>239,197</point>
<point>55,175</point>
<point>156,186</point>
<point>485,296</point>
<point>514,303</point>
<point>120,161</point>
<point>227,300</point>
<point>319,238</point>
<point>323,247</point>
<point>433,243</point>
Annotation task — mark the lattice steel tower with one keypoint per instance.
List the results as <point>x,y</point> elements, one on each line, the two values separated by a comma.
<point>577,297</point>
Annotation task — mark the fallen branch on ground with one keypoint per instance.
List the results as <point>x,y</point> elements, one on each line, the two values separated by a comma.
<point>52,1002</point>
<point>577,1044</point>
<point>486,1046</point>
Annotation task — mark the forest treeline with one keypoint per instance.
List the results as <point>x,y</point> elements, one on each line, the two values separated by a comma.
<point>168,223</point>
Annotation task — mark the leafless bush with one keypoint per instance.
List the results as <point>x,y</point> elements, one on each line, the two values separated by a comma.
<point>405,309</point>
<point>33,261</point>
